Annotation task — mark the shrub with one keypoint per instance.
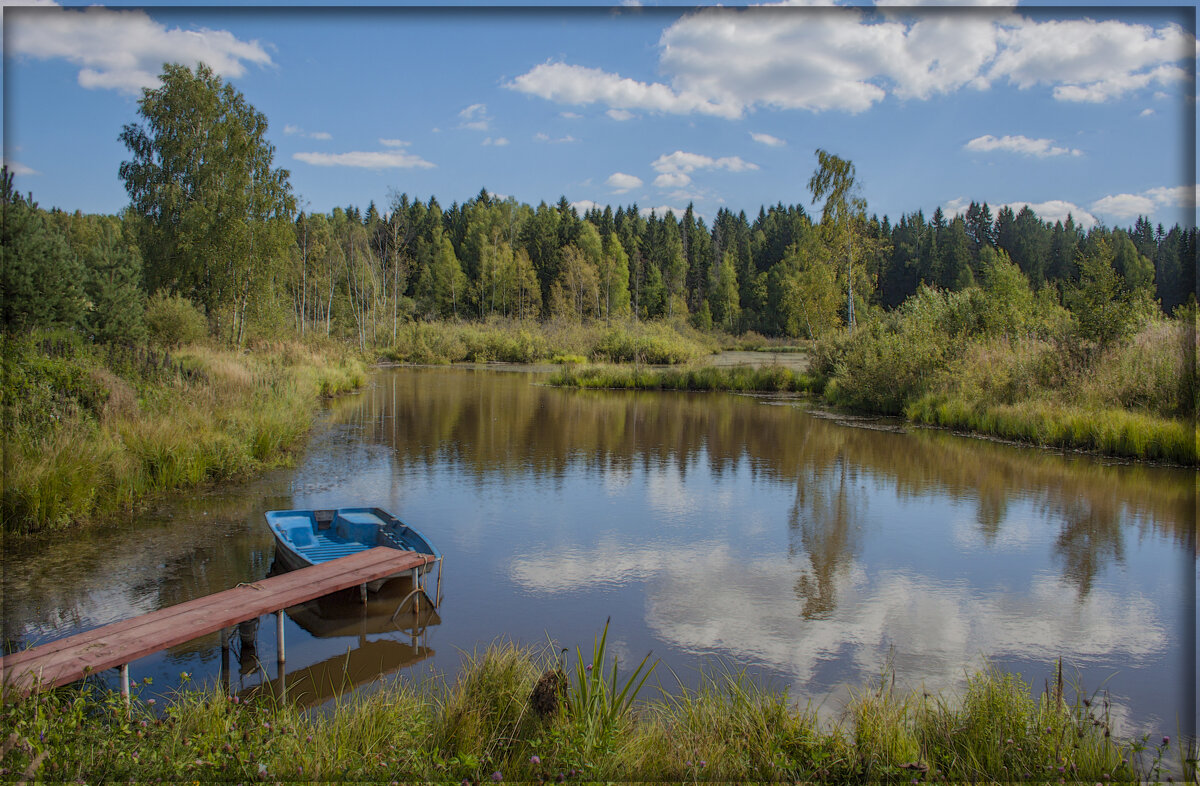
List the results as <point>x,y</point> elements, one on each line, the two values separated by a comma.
<point>172,320</point>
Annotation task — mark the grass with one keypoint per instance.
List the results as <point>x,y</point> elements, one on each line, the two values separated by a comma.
<point>483,727</point>
<point>511,341</point>
<point>97,431</point>
<point>765,379</point>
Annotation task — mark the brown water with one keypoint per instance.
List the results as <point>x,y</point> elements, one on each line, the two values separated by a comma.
<point>813,551</point>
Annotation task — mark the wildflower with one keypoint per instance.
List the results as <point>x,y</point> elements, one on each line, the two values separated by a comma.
<point>703,763</point>
<point>535,760</point>
<point>497,777</point>
<point>559,778</point>
<point>589,667</point>
<point>1166,741</point>
<point>150,702</point>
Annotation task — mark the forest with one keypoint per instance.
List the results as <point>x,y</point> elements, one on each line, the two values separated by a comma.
<point>212,242</point>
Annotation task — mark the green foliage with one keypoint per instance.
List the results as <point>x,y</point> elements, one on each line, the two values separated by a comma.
<point>744,379</point>
<point>94,432</point>
<point>215,213</point>
<point>597,701</point>
<point>1105,309</point>
<point>173,320</point>
<point>42,278</point>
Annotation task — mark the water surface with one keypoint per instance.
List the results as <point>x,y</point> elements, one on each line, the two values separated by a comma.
<point>814,551</point>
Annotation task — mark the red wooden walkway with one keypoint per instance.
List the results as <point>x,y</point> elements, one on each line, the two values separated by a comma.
<point>70,659</point>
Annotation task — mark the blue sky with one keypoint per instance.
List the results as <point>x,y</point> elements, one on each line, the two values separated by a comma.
<point>1089,111</point>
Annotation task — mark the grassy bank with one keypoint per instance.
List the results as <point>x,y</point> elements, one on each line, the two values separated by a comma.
<point>530,342</point>
<point>95,430</point>
<point>936,361</point>
<point>764,379</point>
<point>486,726</point>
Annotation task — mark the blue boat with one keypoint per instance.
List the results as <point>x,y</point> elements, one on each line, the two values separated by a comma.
<point>310,537</point>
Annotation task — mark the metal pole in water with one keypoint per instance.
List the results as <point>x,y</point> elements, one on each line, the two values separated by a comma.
<point>225,659</point>
<point>416,574</point>
<point>437,600</point>
<point>279,638</point>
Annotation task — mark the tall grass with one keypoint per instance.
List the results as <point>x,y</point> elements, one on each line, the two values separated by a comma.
<point>481,728</point>
<point>766,379</point>
<point>92,433</point>
<point>527,342</point>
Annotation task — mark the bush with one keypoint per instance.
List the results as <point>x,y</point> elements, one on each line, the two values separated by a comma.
<point>172,320</point>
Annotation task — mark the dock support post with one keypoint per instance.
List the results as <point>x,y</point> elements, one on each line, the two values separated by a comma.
<point>125,683</point>
<point>416,574</point>
<point>279,639</point>
<point>362,593</point>
<point>225,659</point>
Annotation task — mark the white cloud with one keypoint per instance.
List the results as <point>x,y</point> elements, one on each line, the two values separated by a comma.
<point>570,115</point>
<point>381,159</point>
<point>1086,60</point>
<point>1146,112</point>
<point>498,141</point>
<point>1056,210</point>
<point>1124,205</point>
<point>17,168</point>
<point>1042,148</point>
<point>672,180</point>
<point>767,139</point>
<point>475,118</point>
<point>660,211</point>
<point>394,142</point>
<point>123,49</point>
<point>1174,196</point>
<point>578,85</point>
<point>294,130</point>
<point>1147,202</point>
<point>621,182</point>
<point>620,115</point>
<point>725,62</point>
<point>584,205</point>
<point>541,136</point>
<point>682,162</point>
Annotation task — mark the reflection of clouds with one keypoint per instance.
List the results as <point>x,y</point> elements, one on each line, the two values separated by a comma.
<point>666,492</point>
<point>706,600</point>
<point>609,563</point>
<point>1017,534</point>
<point>935,629</point>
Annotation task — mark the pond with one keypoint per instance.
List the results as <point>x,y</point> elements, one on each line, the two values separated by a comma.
<point>817,552</point>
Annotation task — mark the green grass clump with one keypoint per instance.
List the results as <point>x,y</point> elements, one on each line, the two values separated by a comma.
<point>97,430</point>
<point>745,379</point>
<point>483,727</point>
<point>511,341</point>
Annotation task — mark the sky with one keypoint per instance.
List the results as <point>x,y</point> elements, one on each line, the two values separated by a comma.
<point>1081,110</point>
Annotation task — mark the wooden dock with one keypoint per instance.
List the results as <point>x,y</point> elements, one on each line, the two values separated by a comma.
<point>73,658</point>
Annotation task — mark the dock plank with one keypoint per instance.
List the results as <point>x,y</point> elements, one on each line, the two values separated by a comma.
<point>72,658</point>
